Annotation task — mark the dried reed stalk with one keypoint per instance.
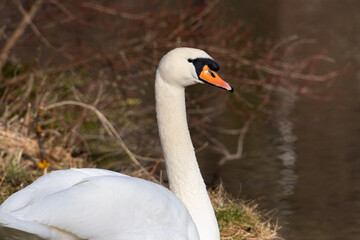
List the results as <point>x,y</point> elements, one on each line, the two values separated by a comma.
<point>12,139</point>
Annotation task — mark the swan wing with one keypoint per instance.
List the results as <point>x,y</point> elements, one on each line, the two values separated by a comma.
<point>101,205</point>
<point>51,183</point>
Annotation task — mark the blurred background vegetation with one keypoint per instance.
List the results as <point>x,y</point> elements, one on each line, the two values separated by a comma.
<point>76,86</point>
<point>105,53</point>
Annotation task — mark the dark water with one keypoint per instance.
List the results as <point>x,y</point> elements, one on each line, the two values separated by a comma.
<point>305,164</point>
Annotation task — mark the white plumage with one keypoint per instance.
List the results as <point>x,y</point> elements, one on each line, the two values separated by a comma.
<point>97,204</point>
<point>100,204</point>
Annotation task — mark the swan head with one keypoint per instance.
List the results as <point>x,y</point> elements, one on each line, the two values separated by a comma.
<point>188,66</point>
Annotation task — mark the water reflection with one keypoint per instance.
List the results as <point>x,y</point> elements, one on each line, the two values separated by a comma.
<point>286,148</point>
<point>305,163</point>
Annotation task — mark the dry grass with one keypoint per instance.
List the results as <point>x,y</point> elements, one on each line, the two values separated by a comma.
<point>20,155</point>
<point>241,221</point>
<point>11,139</point>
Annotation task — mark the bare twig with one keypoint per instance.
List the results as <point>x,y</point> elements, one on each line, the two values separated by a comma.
<point>274,71</point>
<point>193,20</point>
<point>63,8</point>
<point>107,126</point>
<point>12,139</point>
<point>155,167</point>
<point>112,11</point>
<point>33,26</point>
<point>2,32</point>
<point>227,156</point>
<point>239,150</point>
<point>10,43</point>
<point>72,65</point>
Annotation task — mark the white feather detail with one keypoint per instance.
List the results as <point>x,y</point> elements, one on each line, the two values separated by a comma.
<point>119,207</point>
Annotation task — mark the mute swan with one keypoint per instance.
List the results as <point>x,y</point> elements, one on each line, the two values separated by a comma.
<point>100,204</point>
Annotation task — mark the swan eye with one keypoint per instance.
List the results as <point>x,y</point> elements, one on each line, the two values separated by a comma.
<point>190,60</point>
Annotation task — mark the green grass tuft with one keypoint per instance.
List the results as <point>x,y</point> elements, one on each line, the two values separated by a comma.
<point>240,221</point>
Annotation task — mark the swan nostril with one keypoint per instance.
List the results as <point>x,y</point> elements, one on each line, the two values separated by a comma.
<point>211,73</point>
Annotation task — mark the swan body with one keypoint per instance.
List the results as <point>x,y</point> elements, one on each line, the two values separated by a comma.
<point>100,204</point>
<point>88,203</point>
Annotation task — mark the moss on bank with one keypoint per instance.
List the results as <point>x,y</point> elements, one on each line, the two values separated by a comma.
<point>239,220</point>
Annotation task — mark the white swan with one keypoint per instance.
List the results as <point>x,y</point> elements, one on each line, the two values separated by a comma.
<point>100,204</point>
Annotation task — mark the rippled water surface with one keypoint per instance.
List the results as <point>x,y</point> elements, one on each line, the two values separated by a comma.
<point>305,163</point>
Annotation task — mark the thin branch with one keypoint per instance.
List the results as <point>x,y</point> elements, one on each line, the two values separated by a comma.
<point>155,167</point>
<point>274,71</point>
<point>193,20</point>
<point>107,126</point>
<point>112,11</point>
<point>33,26</point>
<point>63,8</point>
<point>10,43</point>
<point>239,150</point>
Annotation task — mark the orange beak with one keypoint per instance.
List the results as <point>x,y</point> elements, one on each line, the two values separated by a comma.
<point>212,78</point>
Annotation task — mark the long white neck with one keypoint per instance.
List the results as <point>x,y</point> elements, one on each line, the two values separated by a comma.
<point>182,168</point>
